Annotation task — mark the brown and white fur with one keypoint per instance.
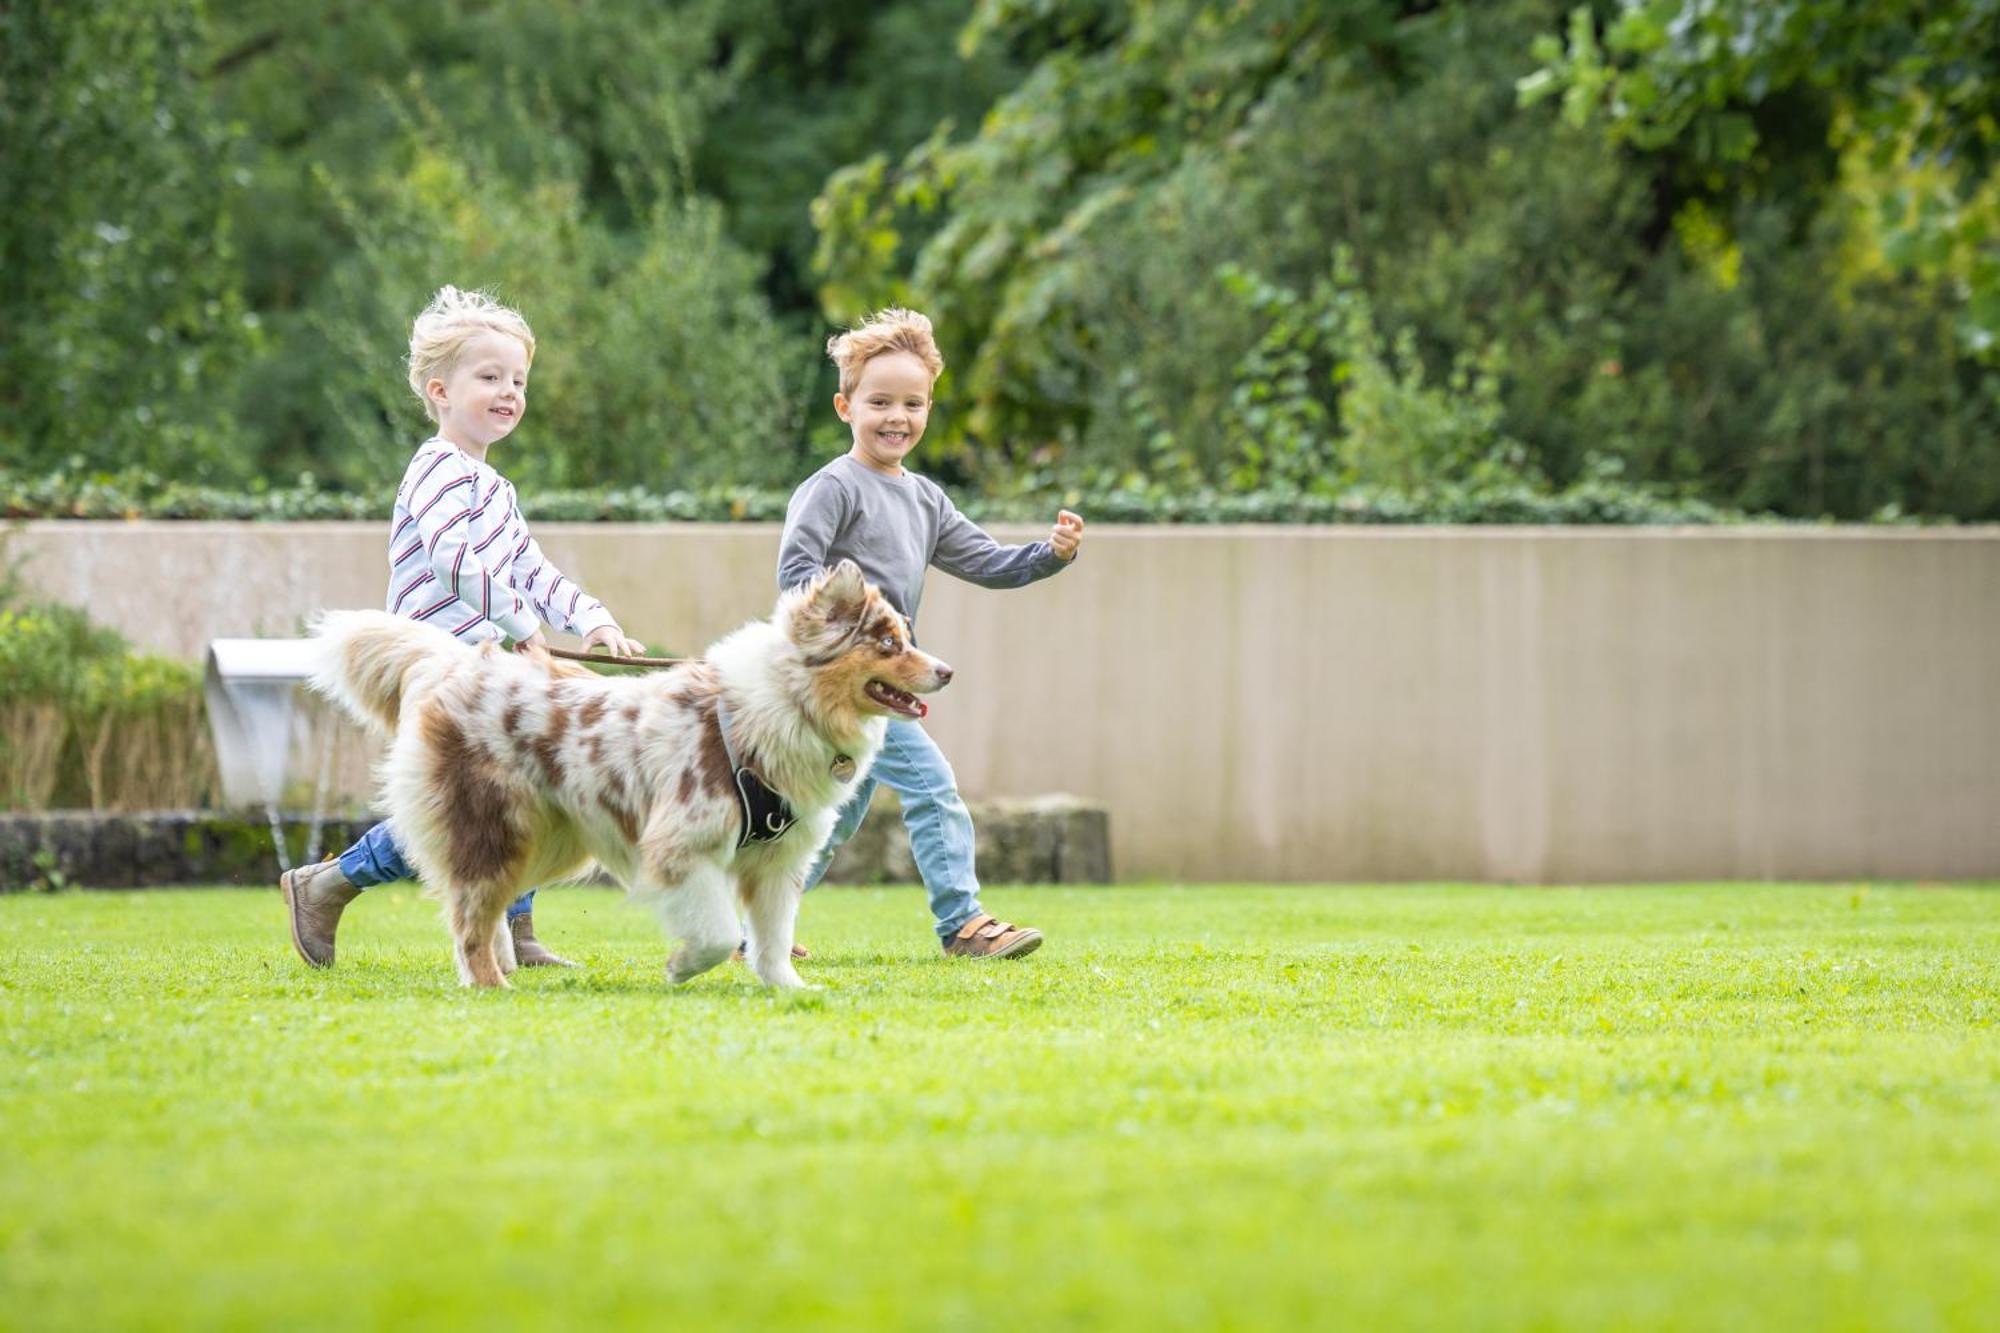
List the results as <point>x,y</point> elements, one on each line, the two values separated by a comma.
<point>502,776</point>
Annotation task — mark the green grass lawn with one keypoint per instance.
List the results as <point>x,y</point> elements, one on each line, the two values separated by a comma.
<point>1717,1105</point>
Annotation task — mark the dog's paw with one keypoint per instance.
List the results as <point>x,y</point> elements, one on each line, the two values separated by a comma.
<point>689,962</point>
<point>786,978</point>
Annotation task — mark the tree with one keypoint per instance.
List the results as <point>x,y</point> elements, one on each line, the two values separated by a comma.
<point>811,87</point>
<point>122,318</point>
<point>1130,264</point>
<point>1899,97</point>
<point>1119,97</point>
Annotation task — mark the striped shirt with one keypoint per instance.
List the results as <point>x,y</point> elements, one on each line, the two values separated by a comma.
<point>461,558</point>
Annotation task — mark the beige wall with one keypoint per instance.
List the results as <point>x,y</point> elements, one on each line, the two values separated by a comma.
<point>1340,704</point>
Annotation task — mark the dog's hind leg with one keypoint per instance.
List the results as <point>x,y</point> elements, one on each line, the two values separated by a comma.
<point>475,917</point>
<point>503,948</point>
<point>771,905</point>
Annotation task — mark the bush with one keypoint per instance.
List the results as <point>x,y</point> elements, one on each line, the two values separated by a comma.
<point>86,722</point>
<point>1497,498</point>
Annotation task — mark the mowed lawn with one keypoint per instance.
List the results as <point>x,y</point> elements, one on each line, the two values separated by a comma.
<point>1220,1107</point>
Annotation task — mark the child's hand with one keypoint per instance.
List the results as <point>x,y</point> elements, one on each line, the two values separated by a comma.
<point>1067,536</point>
<point>612,639</point>
<point>535,647</point>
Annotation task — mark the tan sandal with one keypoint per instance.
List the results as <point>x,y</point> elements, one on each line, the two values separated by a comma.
<point>990,937</point>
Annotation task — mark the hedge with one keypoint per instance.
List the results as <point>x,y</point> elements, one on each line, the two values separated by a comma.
<point>142,495</point>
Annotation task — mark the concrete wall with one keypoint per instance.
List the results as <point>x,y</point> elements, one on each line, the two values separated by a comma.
<point>1340,704</point>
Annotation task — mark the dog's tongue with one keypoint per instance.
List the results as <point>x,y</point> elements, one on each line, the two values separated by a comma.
<point>923,709</point>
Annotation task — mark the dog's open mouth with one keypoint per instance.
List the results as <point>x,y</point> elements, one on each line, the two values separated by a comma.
<point>896,701</point>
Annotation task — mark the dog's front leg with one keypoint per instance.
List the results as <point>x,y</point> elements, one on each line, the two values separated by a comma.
<point>771,903</point>
<point>697,910</point>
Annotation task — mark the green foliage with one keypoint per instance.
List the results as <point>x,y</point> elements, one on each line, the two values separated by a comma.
<point>1129,262</point>
<point>1738,251</point>
<point>54,654</point>
<point>1395,432</point>
<point>1596,500</point>
<point>654,357</point>
<point>1032,204</point>
<point>1746,97</point>
<point>122,316</point>
<point>811,88</point>
<point>564,183</point>
<point>90,723</point>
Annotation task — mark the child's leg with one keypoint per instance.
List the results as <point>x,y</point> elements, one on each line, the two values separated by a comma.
<point>375,859</point>
<point>912,766</point>
<point>316,895</point>
<point>521,944</point>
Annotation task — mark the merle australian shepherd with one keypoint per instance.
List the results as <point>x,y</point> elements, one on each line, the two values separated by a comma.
<point>501,775</point>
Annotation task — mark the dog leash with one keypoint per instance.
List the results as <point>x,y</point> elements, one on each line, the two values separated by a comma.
<point>842,767</point>
<point>613,659</point>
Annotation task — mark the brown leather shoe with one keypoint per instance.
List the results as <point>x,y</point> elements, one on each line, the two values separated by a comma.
<point>529,951</point>
<point>989,937</point>
<point>315,896</point>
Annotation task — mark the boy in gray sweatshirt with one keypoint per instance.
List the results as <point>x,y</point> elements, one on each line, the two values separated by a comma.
<point>866,507</point>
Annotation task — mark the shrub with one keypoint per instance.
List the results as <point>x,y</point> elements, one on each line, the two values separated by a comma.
<point>1495,495</point>
<point>87,722</point>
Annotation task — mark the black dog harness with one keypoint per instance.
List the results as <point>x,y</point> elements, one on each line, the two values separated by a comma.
<point>767,816</point>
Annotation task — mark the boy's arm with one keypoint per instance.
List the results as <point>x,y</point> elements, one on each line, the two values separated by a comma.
<point>813,521</point>
<point>559,599</point>
<point>441,507</point>
<point>967,551</point>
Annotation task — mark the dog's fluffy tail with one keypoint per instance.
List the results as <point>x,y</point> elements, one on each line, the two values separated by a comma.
<point>365,658</point>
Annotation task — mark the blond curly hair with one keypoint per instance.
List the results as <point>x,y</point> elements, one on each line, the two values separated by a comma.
<point>453,319</point>
<point>891,330</point>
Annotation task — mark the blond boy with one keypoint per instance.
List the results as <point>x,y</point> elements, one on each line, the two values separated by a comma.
<point>460,557</point>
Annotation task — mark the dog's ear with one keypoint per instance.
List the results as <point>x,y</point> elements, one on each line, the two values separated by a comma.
<point>840,593</point>
<point>826,618</point>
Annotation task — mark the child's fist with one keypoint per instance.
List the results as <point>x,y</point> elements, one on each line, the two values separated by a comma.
<point>1067,535</point>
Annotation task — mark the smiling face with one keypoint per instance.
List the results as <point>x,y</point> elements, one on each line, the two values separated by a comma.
<point>859,650</point>
<point>484,395</point>
<point>887,411</point>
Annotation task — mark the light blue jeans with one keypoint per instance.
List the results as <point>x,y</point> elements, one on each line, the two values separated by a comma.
<point>912,766</point>
<point>376,859</point>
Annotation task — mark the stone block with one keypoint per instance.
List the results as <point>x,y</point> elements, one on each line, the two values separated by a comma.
<point>1040,840</point>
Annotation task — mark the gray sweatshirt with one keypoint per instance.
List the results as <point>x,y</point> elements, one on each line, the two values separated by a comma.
<point>894,528</point>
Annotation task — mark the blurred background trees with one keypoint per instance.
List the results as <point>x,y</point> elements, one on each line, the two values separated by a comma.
<point>1732,250</point>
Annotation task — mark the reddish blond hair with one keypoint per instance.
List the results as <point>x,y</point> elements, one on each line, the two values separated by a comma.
<point>891,330</point>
